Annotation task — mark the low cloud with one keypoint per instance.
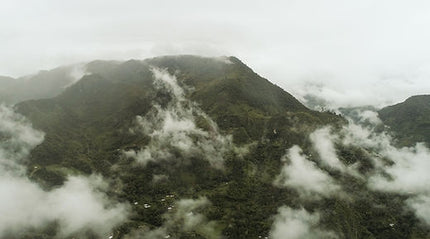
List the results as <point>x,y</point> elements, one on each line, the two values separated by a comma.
<point>408,175</point>
<point>323,141</point>
<point>409,171</point>
<point>379,89</point>
<point>369,117</point>
<point>80,205</point>
<point>174,129</point>
<point>183,216</point>
<point>17,138</point>
<point>421,205</point>
<point>298,224</point>
<point>396,170</point>
<point>305,176</point>
<point>76,72</point>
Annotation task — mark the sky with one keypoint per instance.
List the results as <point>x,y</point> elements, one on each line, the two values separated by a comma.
<point>348,53</point>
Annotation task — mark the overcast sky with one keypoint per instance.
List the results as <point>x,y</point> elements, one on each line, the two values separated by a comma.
<point>348,52</point>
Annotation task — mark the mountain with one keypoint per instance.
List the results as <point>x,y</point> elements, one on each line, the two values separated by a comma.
<point>206,148</point>
<point>44,84</point>
<point>7,86</point>
<point>410,120</point>
<point>241,103</point>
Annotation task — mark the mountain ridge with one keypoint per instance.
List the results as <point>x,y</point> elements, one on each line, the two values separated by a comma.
<point>213,134</point>
<point>410,120</point>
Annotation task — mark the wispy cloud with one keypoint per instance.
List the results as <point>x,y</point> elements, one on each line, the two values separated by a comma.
<point>396,170</point>
<point>305,176</point>
<point>298,224</point>
<point>183,216</point>
<point>173,128</point>
<point>78,206</point>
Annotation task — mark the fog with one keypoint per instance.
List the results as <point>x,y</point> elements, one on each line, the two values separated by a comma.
<point>348,53</point>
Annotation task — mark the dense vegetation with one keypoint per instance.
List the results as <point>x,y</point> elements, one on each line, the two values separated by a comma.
<point>410,120</point>
<point>87,131</point>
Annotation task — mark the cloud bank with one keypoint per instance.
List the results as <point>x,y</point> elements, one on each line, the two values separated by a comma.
<point>298,224</point>
<point>358,53</point>
<point>407,175</point>
<point>396,170</point>
<point>80,205</point>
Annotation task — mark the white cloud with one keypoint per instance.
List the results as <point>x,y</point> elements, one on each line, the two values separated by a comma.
<point>174,128</point>
<point>397,170</point>
<point>77,206</point>
<point>305,176</point>
<point>364,52</point>
<point>76,72</point>
<point>421,205</point>
<point>17,136</point>
<point>298,224</point>
<point>409,172</point>
<point>323,142</point>
<point>369,116</point>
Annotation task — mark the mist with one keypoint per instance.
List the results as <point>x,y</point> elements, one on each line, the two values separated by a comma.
<point>77,207</point>
<point>398,170</point>
<point>362,53</point>
<point>129,131</point>
<point>174,128</point>
<point>305,176</point>
<point>298,224</point>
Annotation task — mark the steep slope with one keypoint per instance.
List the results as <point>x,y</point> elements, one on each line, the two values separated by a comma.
<point>227,82</point>
<point>198,147</point>
<point>88,128</point>
<point>410,120</point>
<point>241,103</point>
<point>231,93</point>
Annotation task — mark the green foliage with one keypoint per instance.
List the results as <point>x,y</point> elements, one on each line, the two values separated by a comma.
<point>410,120</point>
<point>87,129</point>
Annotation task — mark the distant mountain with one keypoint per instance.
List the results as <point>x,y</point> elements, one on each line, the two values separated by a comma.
<point>410,120</point>
<point>5,79</point>
<point>44,84</point>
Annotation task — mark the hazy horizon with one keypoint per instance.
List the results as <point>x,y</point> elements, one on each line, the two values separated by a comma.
<point>348,53</point>
<point>199,146</point>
